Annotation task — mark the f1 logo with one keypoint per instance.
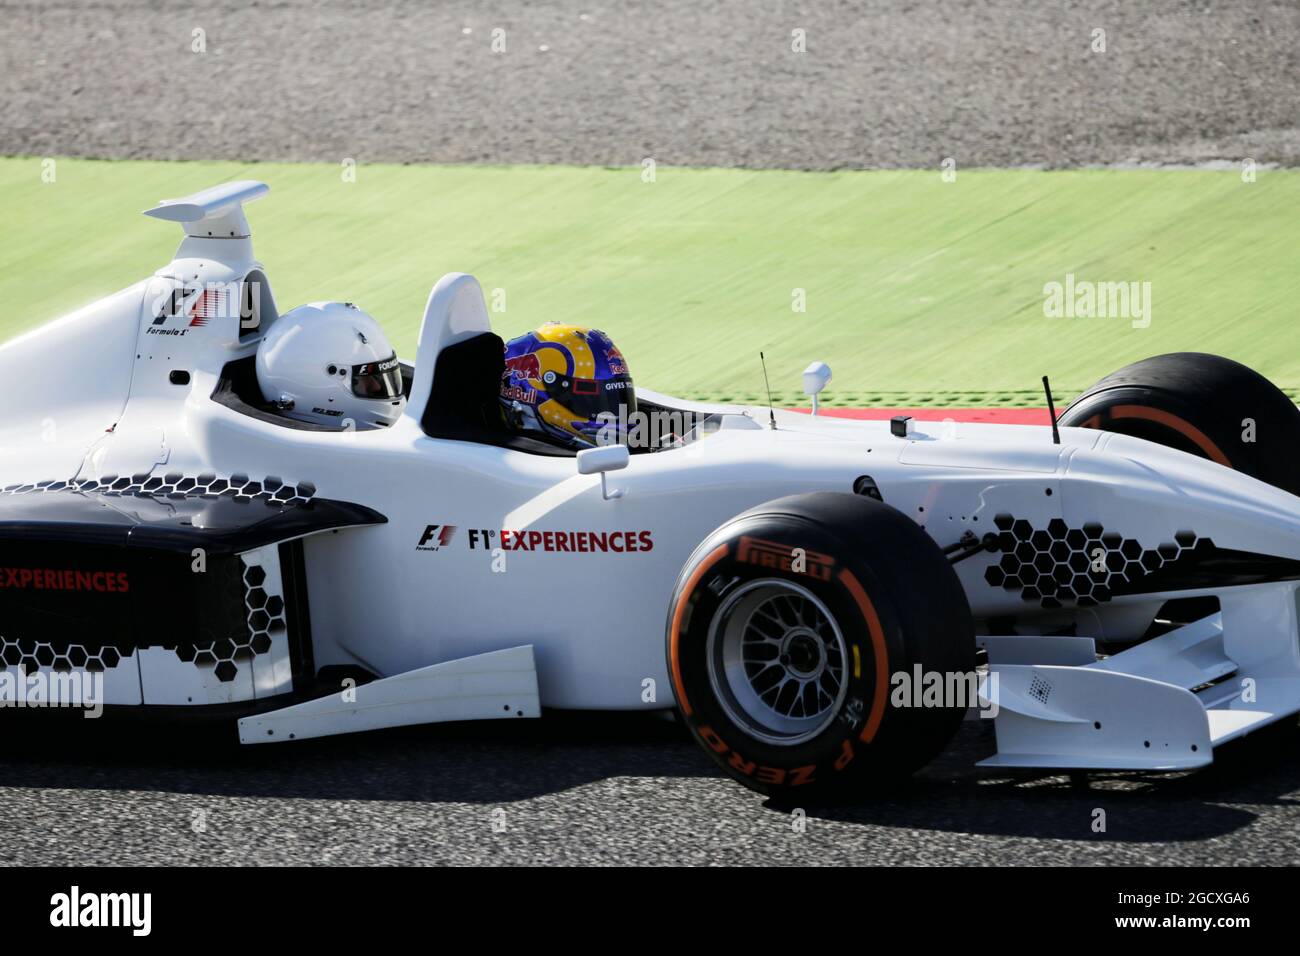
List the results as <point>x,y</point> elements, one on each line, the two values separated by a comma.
<point>436,536</point>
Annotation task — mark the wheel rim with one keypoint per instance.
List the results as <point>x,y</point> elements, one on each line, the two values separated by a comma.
<point>777,661</point>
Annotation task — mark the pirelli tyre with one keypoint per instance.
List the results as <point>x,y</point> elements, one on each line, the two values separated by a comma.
<point>1203,404</point>
<point>785,629</point>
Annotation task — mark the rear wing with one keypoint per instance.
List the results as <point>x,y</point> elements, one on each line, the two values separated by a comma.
<point>216,213</point>
<point>211,215</point>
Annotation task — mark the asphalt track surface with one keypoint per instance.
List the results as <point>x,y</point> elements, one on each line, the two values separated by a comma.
<point>607,790</point>
<point>892,83</point>
<point>686,82</point>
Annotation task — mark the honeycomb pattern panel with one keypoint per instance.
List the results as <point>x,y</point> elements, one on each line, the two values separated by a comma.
<point>31,654</point>
<point>223,654</point>
<point>1084,566</point>
<point>178,485</point>
<point>264,610</point>
<point>265,606</point>
<point>263,617</point>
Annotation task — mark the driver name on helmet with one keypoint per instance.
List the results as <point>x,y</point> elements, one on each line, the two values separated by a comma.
<point>329,363</point>
<point>568,384</point>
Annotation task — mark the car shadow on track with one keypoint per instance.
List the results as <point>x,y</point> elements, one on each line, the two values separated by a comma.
<point>483,762</point>
<point>504,761</point>
<point>955,795</point>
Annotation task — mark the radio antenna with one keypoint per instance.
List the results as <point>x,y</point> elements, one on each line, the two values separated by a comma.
<point>770,412</point>
<point>1051,410</point>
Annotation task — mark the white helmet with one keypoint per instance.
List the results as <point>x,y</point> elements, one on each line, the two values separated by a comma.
<point>330,363</point>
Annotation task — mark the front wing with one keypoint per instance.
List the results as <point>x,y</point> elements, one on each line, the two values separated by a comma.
<point>1163,704</point>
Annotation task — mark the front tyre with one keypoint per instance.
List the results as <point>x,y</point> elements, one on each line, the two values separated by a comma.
<point>786,629</point>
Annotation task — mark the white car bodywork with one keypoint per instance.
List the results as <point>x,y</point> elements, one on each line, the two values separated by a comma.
<point>94,396</point>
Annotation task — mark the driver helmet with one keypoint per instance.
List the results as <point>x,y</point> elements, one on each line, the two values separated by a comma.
<point>568,383</point>
<point>330,363</point>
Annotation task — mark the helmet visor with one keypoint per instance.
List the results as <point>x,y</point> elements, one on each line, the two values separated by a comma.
<point>377,379</point>
<point>589,398</point>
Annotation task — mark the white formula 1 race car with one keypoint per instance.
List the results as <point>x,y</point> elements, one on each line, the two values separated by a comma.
<point>816,597</point>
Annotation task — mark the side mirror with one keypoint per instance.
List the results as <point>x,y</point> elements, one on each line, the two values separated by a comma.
<point>816,377</point>
<point>597,461</point>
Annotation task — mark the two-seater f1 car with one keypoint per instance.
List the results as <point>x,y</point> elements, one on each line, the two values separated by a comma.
<point>1126,589</point>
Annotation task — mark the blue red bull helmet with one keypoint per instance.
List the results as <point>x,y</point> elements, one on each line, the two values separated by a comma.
<point>569,383</point>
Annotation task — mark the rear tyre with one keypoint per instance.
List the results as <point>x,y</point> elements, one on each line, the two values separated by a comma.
<point>785,629</point>
<point>1201,404</point>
